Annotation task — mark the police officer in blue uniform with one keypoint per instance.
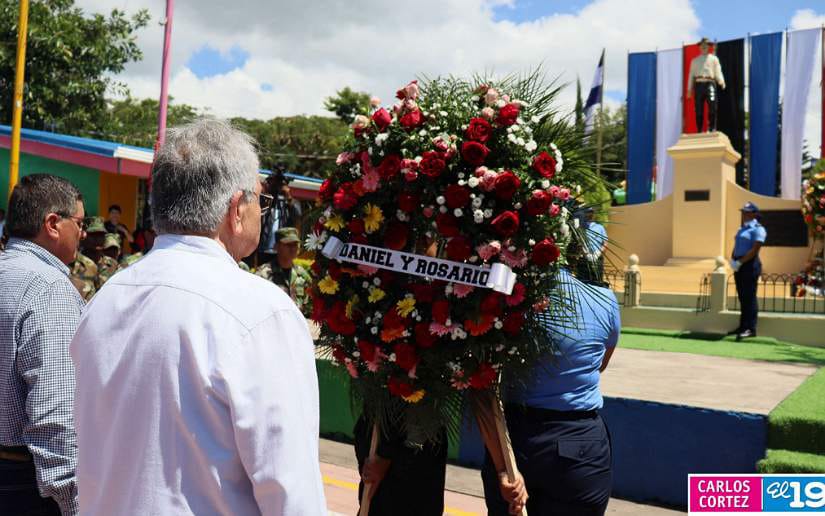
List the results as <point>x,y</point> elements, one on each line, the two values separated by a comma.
<point>561,444</point>
<point>747,268</point>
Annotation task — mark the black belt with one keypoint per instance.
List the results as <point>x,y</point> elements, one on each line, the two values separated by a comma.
<point>548,414</point>
<point>15,453</point>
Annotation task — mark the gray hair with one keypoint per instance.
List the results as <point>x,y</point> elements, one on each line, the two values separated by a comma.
<point>34,198</point>
<point>196,172</point>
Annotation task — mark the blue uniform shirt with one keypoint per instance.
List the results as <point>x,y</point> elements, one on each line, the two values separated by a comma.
<point>596,237</point>
<point>570,379</point>
<point>750,232</point>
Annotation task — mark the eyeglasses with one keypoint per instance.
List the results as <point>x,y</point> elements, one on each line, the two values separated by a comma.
<point>80,221</point>
<point>266,202</point>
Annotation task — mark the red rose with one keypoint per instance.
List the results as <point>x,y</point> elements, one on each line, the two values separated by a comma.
<point>412,119</point>
<point>508,114</point>
<point>408,202</point>
<point>424,292</point>
<point>395,236</point>
<point>491,304</point>
<point>405,356</point>
<point>457,196</point>
<point>356,226</point>
<point>423,337</point>
<point>345,198</point>
<point>334,270</point>
<point>441,311</point>
<point>447,225</point>
<point>506,185</point>
<point>479,130</point>
<point>506,223</point>
<point>338,321</point>
<point>326,191</point>
<point>390,166</point>
<point>399,387</point>
<point>382,119</point>
<point>539,203</point>
<point>319,312</point>
<point>339,354</point>
<point>474,153</point>
<point>545,252</point>
<point>459,249</point>
<point>432,164</point>
<point>544,164</point>
<point>484,376</point>
<point>368,350</point>
<point>513,322</point>
<point>393,320</point>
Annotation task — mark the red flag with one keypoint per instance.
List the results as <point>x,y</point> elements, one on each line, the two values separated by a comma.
<point>688,111</point>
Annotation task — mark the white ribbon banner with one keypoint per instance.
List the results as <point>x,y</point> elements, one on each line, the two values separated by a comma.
<point>499,277</point>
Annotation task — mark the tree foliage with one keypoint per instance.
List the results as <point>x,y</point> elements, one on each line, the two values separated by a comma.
<point>71,58</point>
<point>347,103</point>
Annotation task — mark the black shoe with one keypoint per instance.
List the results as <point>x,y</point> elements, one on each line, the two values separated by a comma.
<point>745,334</point>
<point>734,332</point>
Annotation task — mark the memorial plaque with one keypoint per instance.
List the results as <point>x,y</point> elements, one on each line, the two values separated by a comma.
<point>785,228</point>
<point>697,195</point>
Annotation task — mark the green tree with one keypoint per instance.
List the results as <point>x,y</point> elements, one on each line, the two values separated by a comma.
<point>579,108</point>
<point>347,103</point>
<point>306,145</point>
<point>71,59</point>
<point>135,122</point>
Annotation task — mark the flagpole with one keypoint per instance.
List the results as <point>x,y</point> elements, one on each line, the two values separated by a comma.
<point>164,75</point>
<point>17,108</point>
<point>599,121</point>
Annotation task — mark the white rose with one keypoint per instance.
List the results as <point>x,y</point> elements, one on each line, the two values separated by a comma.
<point>472,182</point>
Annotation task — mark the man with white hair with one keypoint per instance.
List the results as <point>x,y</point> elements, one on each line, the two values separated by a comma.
<point>196,383</point>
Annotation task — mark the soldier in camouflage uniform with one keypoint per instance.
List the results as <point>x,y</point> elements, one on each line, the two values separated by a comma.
<point>284,272</point>
<point>107,265</point>
<point>129,259</point>
<point>84,268</point>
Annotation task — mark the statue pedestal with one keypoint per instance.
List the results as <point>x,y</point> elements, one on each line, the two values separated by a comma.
<point>703,164</point>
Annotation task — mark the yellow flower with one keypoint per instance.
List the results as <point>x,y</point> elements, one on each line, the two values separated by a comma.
<point>335,223</point>
<point>376,294</point>
<point>328,285</point>
<point>351,306</point>
<point>405,306</point>
<point>373,217</point>
<point>416,396</point>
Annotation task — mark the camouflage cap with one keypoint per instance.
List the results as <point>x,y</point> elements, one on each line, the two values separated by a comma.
<point>287,235</point>
<point>111,240</point>
<point>95,225</point>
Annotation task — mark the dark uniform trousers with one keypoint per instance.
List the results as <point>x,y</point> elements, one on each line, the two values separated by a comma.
<point>746,279</point>
<point>414,483</point>
<point>565,459</point>
<point>705,91</point>
<point>19,495</point>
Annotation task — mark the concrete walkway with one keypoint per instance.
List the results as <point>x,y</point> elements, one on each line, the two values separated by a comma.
<point>463,495</point>
<point>702,381</point>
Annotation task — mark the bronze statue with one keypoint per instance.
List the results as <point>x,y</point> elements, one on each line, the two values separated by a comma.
<point>704,78</point>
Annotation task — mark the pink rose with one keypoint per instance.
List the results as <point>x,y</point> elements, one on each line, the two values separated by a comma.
<point>555,191</point>
<point>488,113</point>
<point>428,211</point>
<point>488,250</point>
<point>491,97</point>
<point>564,193</point>
<point>375,102</point>
<point>554,210</point>
<point>410,91</point>
<point>345,157</point>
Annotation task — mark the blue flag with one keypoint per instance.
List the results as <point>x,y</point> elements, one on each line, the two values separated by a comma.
<point>595,96</point>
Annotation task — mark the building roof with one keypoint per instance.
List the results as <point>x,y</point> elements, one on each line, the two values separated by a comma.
<point>107,156</point>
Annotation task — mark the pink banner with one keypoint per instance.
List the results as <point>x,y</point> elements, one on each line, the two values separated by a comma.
<point>723,494</point>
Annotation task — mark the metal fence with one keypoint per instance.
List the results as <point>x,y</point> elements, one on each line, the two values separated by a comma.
<point>781,293</point>
<point>703,301</point>
<point>618,282</point>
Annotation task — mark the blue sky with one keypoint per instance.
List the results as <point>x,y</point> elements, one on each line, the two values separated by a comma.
<point>720,19</point>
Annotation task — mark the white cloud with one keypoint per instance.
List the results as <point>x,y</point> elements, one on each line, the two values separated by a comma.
<point>307,50</point>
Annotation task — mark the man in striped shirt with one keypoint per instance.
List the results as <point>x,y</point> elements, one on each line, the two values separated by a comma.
<point>39,313</point>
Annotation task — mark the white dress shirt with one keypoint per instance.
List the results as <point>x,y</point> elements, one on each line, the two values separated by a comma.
<point>196,391</point>
<point>707,67</point>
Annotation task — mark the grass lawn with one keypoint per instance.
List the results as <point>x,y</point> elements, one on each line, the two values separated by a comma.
<point>796,427</point>
<point>759,348</point>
